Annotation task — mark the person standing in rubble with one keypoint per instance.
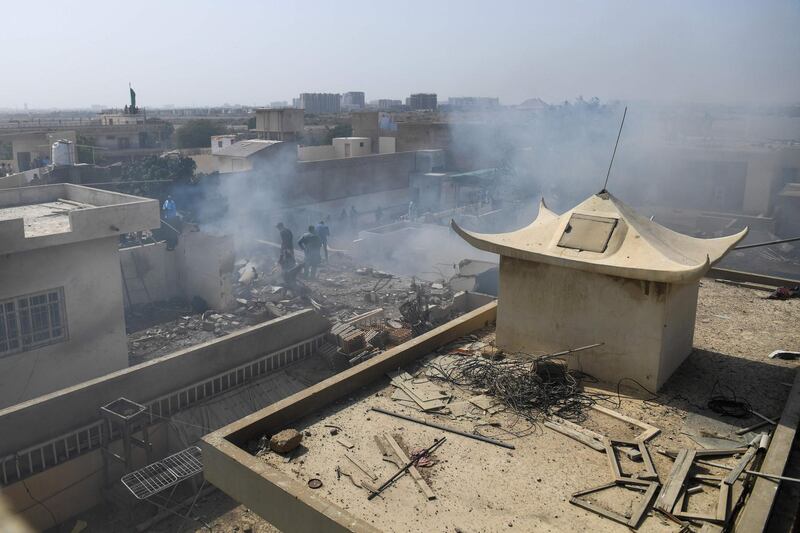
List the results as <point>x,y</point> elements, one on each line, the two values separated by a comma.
<point>310,243</point>
<point>287,245</point>
<point>323,232</point>
<point>170,223</point>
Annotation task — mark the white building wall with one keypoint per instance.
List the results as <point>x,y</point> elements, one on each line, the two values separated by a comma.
<point>352,146</point>
<point>387,145</point>
<point>89,272</point>
<point>647,328</point>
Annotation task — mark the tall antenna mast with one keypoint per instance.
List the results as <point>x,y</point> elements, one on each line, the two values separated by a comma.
<point>615,149</point>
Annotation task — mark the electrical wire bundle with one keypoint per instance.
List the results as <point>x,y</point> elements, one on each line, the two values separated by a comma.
<point>531,389</point>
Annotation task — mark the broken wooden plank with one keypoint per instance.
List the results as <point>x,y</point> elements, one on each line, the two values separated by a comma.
<point>580,437</point>
<point>724,501</point>
<point>361,467</point>
<point>672,488</point>
<point>347,443</point>
<point>425,405</point>
<point>649,431</point>
<point>737,470</point>
<point>636,516</point>
<point>589,506</point>
<point>710,453</point>
<point>612,461</point>
<point>412,470</point>
<point>649,467</point>
<point>696,516</point>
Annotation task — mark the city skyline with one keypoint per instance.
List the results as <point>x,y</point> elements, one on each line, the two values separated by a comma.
<point>179,53</point>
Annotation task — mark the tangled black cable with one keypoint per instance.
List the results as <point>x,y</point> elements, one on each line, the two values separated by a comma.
<point>728,405</point>
<point>531,389</point>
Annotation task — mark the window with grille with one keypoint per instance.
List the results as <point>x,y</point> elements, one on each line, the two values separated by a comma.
<point>30,321</point>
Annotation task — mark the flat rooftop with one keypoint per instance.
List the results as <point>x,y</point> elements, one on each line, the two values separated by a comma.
<point>43,219</point>
<point>48,215</point>
<point>480,486</point>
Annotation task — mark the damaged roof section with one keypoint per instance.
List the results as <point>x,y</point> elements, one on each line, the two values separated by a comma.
<point>605,236</point>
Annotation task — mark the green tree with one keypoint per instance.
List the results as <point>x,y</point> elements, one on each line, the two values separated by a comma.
<point>251,123</point>
<point>197,133</point>
<point>86,152</point>
<point>339,130</point>
<point>154,176</point>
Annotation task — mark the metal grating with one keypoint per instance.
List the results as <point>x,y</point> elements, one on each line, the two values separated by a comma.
<point>155,477</point>
<point>185,463</point>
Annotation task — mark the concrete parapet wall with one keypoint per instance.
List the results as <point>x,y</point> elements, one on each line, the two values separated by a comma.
<point>201,265</point>
<point>283,501</point>
<point>49,416</point>
<point>111,214</point>
<point>149,274</point>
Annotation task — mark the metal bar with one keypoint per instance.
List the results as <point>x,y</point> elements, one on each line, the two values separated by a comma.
<point>565,352</point>
<point>767,243</point>
<point>445,428</point>
<point>615,147</point>
<point>773,476</point>
<point>405,468</point>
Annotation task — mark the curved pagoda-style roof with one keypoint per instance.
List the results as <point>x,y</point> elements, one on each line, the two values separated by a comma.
<point>605,236</point>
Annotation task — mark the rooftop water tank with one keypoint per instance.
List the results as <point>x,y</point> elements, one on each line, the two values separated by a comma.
<point>62,153</point>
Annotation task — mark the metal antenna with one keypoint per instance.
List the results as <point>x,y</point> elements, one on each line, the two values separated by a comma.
<point>615,148</point>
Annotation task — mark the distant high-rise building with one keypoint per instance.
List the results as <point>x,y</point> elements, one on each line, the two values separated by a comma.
<point>421,101</point>
<point>280,103</point>
<point>320,102</point>
<point>387,104</point>
<point>473,102</point>
<point>353,100</point>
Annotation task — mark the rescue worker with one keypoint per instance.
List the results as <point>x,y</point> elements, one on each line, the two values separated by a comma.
<point>323,232</point>
<point>310,243</point>
<point>287,245</point>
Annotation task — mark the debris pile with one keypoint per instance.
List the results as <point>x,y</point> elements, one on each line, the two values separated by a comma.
<point>531,389</point>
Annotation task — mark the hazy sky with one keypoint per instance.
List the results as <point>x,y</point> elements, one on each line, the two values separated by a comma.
<point>73,54</point>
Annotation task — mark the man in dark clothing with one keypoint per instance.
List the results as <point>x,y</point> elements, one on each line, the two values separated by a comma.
<point>323,232</point>
<point>310,243</point>
<point>287,244</point>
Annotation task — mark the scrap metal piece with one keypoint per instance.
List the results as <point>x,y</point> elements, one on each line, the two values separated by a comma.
<point>424,487</point>
<point>314,483</point>
<point>445,428</point>
<point>404,469</point>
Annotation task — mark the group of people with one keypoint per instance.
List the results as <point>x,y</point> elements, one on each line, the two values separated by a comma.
<point>313,243</point>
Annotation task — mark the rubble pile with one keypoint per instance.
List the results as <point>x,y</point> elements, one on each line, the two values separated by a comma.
<point>343,291</point>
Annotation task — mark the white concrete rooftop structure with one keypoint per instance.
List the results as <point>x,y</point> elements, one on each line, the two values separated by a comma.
<point>601,273</point>
<point>61,309</point>
<point>49,215</point>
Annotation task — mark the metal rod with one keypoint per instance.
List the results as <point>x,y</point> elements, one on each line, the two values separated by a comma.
<point>615,147</point>
<point>445,428</point>
<point>767,243</point>
<point>773,476</point>
<point>405,468</point>
<point>565,352</point>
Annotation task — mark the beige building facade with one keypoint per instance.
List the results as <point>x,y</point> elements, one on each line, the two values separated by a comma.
<point>61,294</point>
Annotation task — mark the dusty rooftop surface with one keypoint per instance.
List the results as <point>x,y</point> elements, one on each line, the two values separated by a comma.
<point>483,487</point>
<point>43,219</point>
